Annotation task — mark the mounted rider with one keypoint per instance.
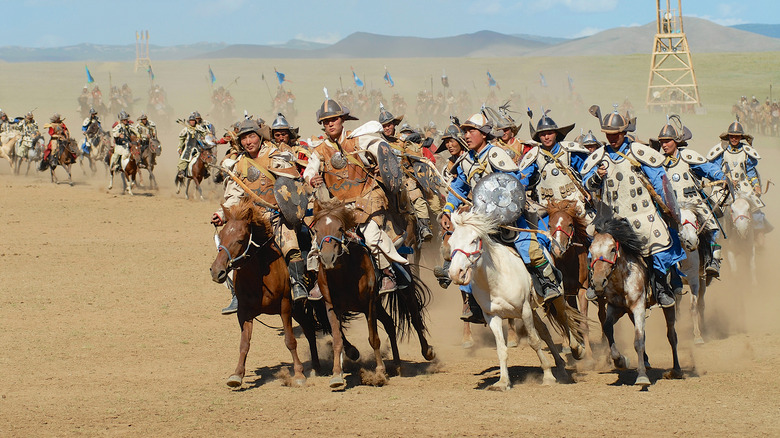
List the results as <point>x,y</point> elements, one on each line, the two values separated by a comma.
<point>6,125</point>
<point>190,139</point>
<point>482,159</point>
<point>625,172</point>
<point>123,133</point>
<point>258,168</point>
<point>205,124</point>
<point>286,138</point>
<point>338,165</point>
<point>506,126</point>
<point>738,159</point>
<point>90,132</point>
<point>60,136</point>
<point>685,169</point>
<point>29,129</point>
<point>147,131</point>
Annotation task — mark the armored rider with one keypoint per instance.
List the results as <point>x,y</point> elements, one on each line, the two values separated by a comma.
<point>59,137</point>
<point>258,168</point>
<point>738,159</point>
<point>685,169</point>
<point>5,124</point>
<point>190,139</point>
<point>349,176</point>
<point>147,131</point>
<point>507,128</point>
<point>30,132</point>
<point>625,172</point>
<point>286,137</point>
<point>123,133</point>
<point>482,159</point>
<point>93,117</point>
<point>205,124</point>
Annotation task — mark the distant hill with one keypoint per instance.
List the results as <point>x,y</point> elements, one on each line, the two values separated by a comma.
<point>770,30</point>
<point>97,52</point>
<point>541,39</point>
<point>300,44</point>
<point>704,36</point>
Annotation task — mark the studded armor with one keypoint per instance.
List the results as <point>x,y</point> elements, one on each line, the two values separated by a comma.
<point>554,183</point>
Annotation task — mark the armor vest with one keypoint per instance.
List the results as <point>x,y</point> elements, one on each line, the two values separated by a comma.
<point>682,180</point>
<point>349,182</point>
<point>249,170</point>
<point>624,192</point>
<point>553,182</point>
<point>737,171</point>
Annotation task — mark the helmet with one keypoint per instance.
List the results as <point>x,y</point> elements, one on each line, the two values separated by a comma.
<point>192,117</point>
<point>453,131</point>
<point>56,118</point>
<point>546,124</point>
<point>249,125</point>
<point>196,114</point>
<point>590,140</point>
<point>330,108</point>
<point>613,123</point>
<point>3,114</point>
<point>123,115</point>
<point>386,116</point>
<point>280,123</point>
<point>29,115</point>
<point>674,130</point>
<point>143,117</point>
<point>92,112</point>
<point>481,123</point>
<point>736,128</point>
<point>406,128</point>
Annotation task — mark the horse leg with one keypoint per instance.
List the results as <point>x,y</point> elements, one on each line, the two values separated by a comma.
<point>534,326</point>
<point>467,341</point>
<point>562,315</point>
<point>237,378</point>
<point>111,180</point>
<point>638,318</point>
<point>200,190</point>
<point>187,190</point>
<point>496,324</point>
<point>416,315</point>
<point>671,335</point>
<point>608,327</point>
<point>511,333</point>
<point>306,322</point>
<point>70,177</point>
<point>695,284</point>
<point>299,379</point>
<point>583,306</point>
<point>337,380</point>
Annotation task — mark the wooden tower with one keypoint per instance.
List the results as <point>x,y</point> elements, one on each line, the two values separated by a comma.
<point>672,83</point>
<point>142,60</point>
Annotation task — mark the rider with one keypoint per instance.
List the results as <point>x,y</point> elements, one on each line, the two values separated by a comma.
<point>29,128</point>
<point>92,118</point>
<point>59,133</point>
<point>122,132</point>
<point>147,131</point>
<point>504,124</point>
<point>482,159</point>
<point>189,138</point>
<point>204,124</point>
<point>685,168</point>
<point>286,138</point>
<point>738,159</point>
<point>350,177</point>
<point>258,169</point>
<point>5,124</point>
<point>621,183</point>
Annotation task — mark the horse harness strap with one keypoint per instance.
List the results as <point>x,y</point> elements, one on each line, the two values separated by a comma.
<point>602,259</point>
<point>472,256</point>
<point>231,259</point>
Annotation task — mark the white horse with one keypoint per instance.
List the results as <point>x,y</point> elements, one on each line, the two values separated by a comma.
<point>503,288</point>
<point>742,242</point>
<point>691,226</point>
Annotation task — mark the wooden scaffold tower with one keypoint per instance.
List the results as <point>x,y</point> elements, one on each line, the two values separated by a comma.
<point>142,60</point>
<point>672,83</point>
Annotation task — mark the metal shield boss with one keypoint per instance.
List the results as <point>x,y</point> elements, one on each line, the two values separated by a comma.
<point>499,196</point>
<point>670,199</point>
<point>291,197</point>
<point>389,168</point>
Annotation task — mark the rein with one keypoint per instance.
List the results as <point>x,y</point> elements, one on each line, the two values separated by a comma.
<point>470,256</point>
<point>233,260</point>
<point>602,259</point>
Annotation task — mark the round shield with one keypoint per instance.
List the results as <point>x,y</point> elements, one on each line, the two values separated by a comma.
<point>292,199</point>
<point>500,196</point>
<point>389,169</point>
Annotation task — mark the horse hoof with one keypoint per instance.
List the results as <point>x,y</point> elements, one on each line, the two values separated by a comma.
<point>698,340</point>
<point>300,382</point>
<point>511,344</point>
<point>622,362</point>
<point>337,382</point>
<point>352,353</point>
<point>430,354</point>
<point>234,381</point>
<point>673,374</point>
<point>498,386</point>
<point>548,381</point>
<point>642,380</point>
<point>578,352</point>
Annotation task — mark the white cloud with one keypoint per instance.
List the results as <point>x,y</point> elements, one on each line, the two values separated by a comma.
<point>329,38</point>
<point>728,21</point>
<point>586,32</point>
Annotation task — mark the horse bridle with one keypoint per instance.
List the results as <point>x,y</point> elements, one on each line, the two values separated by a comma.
<point>555,242</point>
<point>470,256</point>
<point>611,262</point>
<point>233,260</point>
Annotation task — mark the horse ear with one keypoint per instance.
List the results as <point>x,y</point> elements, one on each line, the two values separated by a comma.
<point>226,212</point>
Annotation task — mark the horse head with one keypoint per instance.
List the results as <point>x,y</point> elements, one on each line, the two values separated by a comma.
<point>564,225</point>
<point>689,228</point>
<point>331,222</point>
<point>245,226</point>
<point>467,242</point>
<point>741,217</point>
<point>614,242</point>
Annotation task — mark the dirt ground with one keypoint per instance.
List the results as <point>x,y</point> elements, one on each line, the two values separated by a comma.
<point>111,326</point>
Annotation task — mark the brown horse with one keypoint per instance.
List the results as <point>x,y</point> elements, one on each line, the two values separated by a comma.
<point>262,284</point>
<point>128,169</point>
<point>570,242</point>
<point>348,283</point>
<point>148,160</point>
<point>199,172</point>
<point>63,153</point>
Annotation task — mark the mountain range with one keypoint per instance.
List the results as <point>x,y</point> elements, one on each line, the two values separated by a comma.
<point>703,36</point>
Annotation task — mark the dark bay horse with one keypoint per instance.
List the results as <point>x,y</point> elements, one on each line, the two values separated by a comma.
<point>349,285</point>
<point>619,273</point>
<point>63,153</point>
<point>569,243</point>
<point>262,284</point>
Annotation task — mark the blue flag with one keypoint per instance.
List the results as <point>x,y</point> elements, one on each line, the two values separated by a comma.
<point>389,79</point>
<point>542,80</point>
<point>151,73</point>
<point>358,82</point>
<point>491,82</point>
<point>280,77</point>
<point>90,79</point>
<point>211,76</point>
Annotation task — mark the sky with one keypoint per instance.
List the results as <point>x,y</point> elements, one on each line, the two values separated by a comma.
<point>56,23</point>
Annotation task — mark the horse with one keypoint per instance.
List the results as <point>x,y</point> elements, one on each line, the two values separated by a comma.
<point>128,167</point>
<point>262,284</point>
<point>569,248</point>
<point>7,142</point>
<point>63,153</point>
<point>694,239</point>
<point>148,160</point>
<point>348,283</point>
<point>32,154</point>
<point>98,141</point>
<point>503,288</point>
<point>619,272</point>
<point>198,170</point>
<point>741,225</point>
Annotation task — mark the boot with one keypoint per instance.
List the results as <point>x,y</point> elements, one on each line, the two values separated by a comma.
<point>232,307</point>
<point>442,274</point>
<point>472,312</point>
<point>387,284</point>
<point>713,264</point>
<point>662,290</point>
<point>675,281</point>
<point>424,229</point>
<point>297,270</point>
<point>550,286</point>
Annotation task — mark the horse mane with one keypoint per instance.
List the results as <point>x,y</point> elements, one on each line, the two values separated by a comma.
<point>620,230</point>
<point>569,207</point>
<point>336,208</point>
<point>247,210</point>
<point>483,225</point>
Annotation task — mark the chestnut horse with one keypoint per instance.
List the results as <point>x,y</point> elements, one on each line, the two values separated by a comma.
<point>569,243</point>
<point>619,272</point>
<point>262,284</point>
<point>199,170</point>
<point>348,283</point>
<point>64,151</point>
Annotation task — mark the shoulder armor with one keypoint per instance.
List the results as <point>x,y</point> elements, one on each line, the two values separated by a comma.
<point>750,150</point>
<point>529,158</point>
<point>593,160</point>
<point>646,155</point>
<point>571,146</point>
<point>715,152</point>
<point>692,157</point>
<point>500,160</point>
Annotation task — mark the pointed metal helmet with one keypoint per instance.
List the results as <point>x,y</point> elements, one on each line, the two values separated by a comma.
<point>280,122</point>
<point>674,130</point>
<point>736,128</point>
<point>613,123</point>
<point>248,125</point>
<point>2,113</point>
<point>196,114</point>
<point>330,108</point>
<point>386,116</point>
<point>498,120</point>
<point>452,132</point>
<point>92,111</point>
<point>56,118</point>
<point>481,123</point>
<point>123,115</point>
<point>143,117</point>
<point>546,124</point>
<point>590,140</point>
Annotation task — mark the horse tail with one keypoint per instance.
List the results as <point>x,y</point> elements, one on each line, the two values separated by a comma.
<point>566,319</point>
<point>407,304</point>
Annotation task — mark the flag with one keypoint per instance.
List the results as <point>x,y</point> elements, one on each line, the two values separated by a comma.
<point>542,81</point>
<point>571,84</point>
<point>90,79</point>
<point>388,78</point>
<point>491,82</point>
<point>279,76</point>
<point>211,76</point>
<point>358,82</point>
<point>151,73</point>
